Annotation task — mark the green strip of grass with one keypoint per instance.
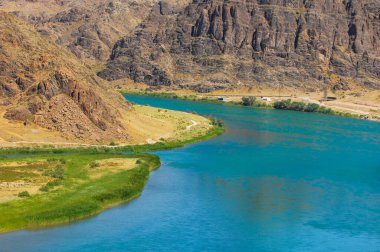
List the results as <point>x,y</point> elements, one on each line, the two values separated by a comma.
<point>78,195</point>
<point>216,130</point>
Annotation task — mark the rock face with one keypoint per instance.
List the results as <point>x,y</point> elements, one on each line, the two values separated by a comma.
<point>89,28</point>
<point>213,44</point>
<point>44,84</point>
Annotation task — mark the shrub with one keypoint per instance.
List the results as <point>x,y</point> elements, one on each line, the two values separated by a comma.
<point>301,106</point>
<point>44,188</point>
<point>248,101</point>
<point>58,172</point>
<point>297,106</point>
<point>52,160</point>
<point>312,107</point>
<point>94,165</point>
<point>217,122</point>
<point>325,110</point>
<point>138,161</point>
<point>24,194</point>
<point>282,104</point>
<point>53,183</point>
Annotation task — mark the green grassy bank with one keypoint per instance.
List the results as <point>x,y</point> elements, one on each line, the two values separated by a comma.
<point>216,130</point>
<point>71,192</point>
<point>75,193</point>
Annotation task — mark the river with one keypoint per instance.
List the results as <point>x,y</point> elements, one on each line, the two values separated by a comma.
<point>275,181</point>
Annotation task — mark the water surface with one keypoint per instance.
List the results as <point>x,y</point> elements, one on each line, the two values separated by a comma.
<point>275,181</point>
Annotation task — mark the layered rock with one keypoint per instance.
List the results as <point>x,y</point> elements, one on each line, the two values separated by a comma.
<point>212,44</point>
<point>44,84</point>
<point>89,28</point>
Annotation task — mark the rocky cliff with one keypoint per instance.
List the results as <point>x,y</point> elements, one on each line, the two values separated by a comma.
<point>215,44</point>
<point>44,84</point>
<point>89,28</point>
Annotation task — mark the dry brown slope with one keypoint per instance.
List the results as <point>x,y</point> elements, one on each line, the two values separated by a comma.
<point>89,28</point>
<point>48,96</point>
<point>44,84</point>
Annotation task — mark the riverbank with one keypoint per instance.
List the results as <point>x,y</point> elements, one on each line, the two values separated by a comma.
<point>310,106</point>
<point>357,102</point>
<point>48,185</point>
<point>240,184</point>
<point>214,130</point>
<point>144,124</point>
<point>75,186</point>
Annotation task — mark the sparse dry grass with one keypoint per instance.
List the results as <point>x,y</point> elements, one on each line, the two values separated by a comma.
<point>81,190</point>
<point>14,133</point>
<point>144,125</point>
<point>100,168</point>
<point>150,125</point>
<point>21,176</point>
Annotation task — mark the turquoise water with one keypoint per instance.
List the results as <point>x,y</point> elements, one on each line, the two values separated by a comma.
<point>275,181</point>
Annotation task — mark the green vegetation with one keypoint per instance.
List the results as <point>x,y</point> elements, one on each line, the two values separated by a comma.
<point>94,165</point>
<point>69,183</point>
<point>309,107</point>
<point>80,194</point>
<point>24,194</point>
<point>163,145</point>
<point>301,106</point>
<point>217,122</point>
<point>248,101</point>
<point>251,101</point>
<point>44,188</point>
<point>196,98</point>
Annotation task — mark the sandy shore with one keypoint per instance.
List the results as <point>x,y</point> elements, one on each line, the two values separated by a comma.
<point>358,102</point>
<point>146,125</point>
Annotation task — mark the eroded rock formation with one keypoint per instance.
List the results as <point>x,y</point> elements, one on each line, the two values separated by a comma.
<point>89,28</point>
<point>44,84</point>
<point>212,44</point>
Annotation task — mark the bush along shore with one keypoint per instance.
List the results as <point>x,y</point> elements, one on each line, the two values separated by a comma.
<point>295,106</point>
<point>310,108</point>
<point>303,107</point>
<point>251,101</point>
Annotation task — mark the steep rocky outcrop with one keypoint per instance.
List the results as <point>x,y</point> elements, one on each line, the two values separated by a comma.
<point>44,84</point>
<point>213,44</point>
<point>89,28</point>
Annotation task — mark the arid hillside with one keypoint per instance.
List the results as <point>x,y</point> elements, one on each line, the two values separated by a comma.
<point>46,85</point>
<point>219,44</point>
<point>46,91</point>
<point>89,28</point>
<point>299,49</point>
